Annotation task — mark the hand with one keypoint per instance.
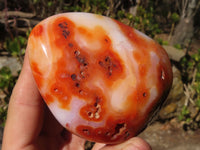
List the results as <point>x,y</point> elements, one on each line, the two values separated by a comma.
<point>31,126</point>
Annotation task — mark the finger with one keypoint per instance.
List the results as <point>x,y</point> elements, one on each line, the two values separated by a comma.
<point>25,111</point>
<point>135,143</point>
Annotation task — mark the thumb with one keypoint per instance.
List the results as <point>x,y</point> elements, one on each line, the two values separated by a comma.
<point>135,143</point>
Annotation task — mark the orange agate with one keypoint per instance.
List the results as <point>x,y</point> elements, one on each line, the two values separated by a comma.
<point>101,79</point>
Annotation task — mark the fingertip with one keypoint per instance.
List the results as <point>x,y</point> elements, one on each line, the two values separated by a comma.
<point>135,143</point>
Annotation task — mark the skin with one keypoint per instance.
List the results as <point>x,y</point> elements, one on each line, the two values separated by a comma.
<point>31,126</point>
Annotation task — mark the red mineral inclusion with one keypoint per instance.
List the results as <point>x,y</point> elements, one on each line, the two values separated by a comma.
<point>73,69</point>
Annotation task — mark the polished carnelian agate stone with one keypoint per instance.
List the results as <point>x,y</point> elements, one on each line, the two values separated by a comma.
<point>101,79</point>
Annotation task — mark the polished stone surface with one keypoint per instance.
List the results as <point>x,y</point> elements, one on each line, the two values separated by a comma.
<point>101,79</point>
